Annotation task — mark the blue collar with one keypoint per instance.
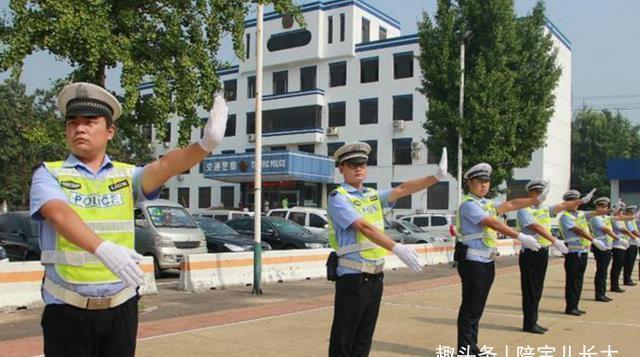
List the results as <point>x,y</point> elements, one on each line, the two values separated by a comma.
<point>72,161</point>
<point>352,189</point>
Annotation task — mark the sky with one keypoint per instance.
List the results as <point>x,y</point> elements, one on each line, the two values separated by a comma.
<point>604,36</point>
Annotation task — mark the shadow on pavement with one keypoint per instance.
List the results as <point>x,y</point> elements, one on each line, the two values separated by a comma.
<point>382,346</point>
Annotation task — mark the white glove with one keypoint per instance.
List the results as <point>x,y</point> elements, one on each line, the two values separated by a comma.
<point>122,262</point>
<point>561,246</point>
<point>408,256</point>
<point>623,242</point>
<point>529,242</point>
<point>586,199</point>
<point>635,242</point>
<point>216,125</point>
<point>599,244</point>
<point>543,196</point>
<point>443,166</point>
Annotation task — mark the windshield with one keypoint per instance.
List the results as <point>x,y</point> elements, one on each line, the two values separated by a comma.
<point>413,227</point>
<point>288,227</point>
<point>170,217</point>
<point>213,226</point>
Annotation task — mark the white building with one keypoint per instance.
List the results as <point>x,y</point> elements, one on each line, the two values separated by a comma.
<point>350,75</point>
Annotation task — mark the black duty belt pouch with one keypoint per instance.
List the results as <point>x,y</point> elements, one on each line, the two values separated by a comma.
<point>332,266</point>
<point>460,252</point>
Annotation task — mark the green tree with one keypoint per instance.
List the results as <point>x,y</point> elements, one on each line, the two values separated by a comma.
<point>597,137</point>
<point>172,43</point>
<point>30,133</point>
<point>510,76</point>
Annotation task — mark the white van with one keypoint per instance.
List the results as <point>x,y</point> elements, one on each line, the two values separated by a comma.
<point>311,218</point>
<point>439,224</point>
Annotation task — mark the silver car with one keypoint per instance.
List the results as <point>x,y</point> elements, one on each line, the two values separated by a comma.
<point>408,233</point>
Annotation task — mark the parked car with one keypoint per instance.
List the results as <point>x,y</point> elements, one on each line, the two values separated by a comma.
<point>167,232</point>
<point>280,233</point>
<point>19,236</point>
<point>313,219</point>
<point>408,233</point>
<point>224,215</point>
<point>222,238</point>
<point>3,255</point>
<point>439,224</point>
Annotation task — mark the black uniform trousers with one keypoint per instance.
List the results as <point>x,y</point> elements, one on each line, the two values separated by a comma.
<point>617,262</point>
<point>533,269</point>
<point>71,331</point>
<point>477,279</point>
<point>355,313</point>
<point>575,264</point>
<point>629,262</point>
<point>603,258</point>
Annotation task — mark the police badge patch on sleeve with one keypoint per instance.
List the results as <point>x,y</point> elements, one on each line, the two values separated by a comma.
<point>119,185</point>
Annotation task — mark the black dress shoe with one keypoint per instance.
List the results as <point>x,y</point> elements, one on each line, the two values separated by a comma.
<point>582,312</point>
<point>572,312</point>
<point>630,283</point>
<point>602,298</point>
<point>534,329</point>
<point>542,328</point>
<point>617,290</point>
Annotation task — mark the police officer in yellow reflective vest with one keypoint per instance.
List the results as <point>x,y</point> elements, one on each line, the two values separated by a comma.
<point>620,246</point>
<point>476,249</point>
<point>632,253</point>
<point>536,221</point>
<point>85,205</point>
<point>602,231</point>
<point>356,233</point>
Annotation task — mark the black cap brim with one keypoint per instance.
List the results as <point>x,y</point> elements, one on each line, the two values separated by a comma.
<point>356,160</point>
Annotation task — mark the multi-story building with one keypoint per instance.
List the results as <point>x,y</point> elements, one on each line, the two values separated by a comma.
<point>349,75</point>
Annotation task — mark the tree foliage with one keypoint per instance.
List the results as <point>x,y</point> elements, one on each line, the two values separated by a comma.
<point>510,76</point>
<point>173,43</point>
<point>596,138</point>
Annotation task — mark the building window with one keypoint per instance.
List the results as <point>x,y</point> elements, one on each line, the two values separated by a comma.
<point>223,152</point>
<point>401,151</point>
<point>287,40</point>
<point>279,148</point>
<point>230,90</point>
<point>251,87</point>
<point>337,114</point>
<point>369,70</point>
<point>183,196</point>
<point>226,196</point>
<point>365,30</point>
<point>164,193</point>
<point>516,189</point>
<point>307,78</point>
<point>330,29</point>
<point>248,45</point>
<point>280,82</point>
<point>310,148</point>
<point>231,126</point>
<point>404,202</point>
<point>204,197</point>
<point>332,147</point>
<point>403,107</point>
<point>382,33</point>
<point>251,123</point>
<point>438,196</point>
<point>373,155</point>
<point>369,111</point>
<point>342,26</point>
<point>337,74</point>
<point>250,150</point>
<point>288,119</point>
<point>403,65</point>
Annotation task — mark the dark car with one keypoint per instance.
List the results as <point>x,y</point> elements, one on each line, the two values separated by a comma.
<point>3,255</point>
<point>222,238</point>
<point>19,236</point>
<point>280,233</point>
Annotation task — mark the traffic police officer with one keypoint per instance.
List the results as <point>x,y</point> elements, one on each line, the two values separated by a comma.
<point>536,221</point>
<point>603,232</point>
<point>476,249</point>
<point>632,252</point>
<point>574,227</point>
<point>620,247</point>
<point>356,233</point>
<point>85,205</point>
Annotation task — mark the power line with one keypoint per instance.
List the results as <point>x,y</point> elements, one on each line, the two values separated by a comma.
<point>634,95</point>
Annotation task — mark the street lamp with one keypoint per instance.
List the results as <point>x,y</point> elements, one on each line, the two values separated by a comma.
<point>465,39</point>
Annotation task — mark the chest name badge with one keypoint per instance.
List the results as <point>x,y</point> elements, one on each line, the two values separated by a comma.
<point>119,185</point>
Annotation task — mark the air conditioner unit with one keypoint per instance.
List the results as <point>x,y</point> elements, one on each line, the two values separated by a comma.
<point>332,131</point>
<point>398,124</point>
<point>416,145</point>
<point>166,144</point>
<point>251,137</point>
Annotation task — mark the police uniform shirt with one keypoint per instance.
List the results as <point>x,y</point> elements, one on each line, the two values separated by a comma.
<point>471,216</point>
<point>525,218</point>
<point>45,188</point>
<point>343,215</point>
<point>566,225</point>
<point>597,222</point>
<point>617,226</point>
<point>630,226</point>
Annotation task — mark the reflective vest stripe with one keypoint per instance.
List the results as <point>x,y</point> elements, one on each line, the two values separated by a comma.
<point>357,247</point>
<point>111,226</point>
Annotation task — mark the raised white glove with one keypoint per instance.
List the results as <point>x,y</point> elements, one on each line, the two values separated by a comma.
<point>408,256</point>
<point>586,199</point>
<point>561,246</point>
<point>443,166</point>
<point>216,125</point>
<point>599,244</point>
<point>122,262</point>
<point>529,242</point>
<point>543,196</point>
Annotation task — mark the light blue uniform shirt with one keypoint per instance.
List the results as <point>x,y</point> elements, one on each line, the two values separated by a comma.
<point>630,226</point>
<point>566,225</point>
<point>44,188</point>
<point>525,219</point>
<point>471,216</point>
<point>598,225</point>
<point>343,214</point>
<point>617,230</point>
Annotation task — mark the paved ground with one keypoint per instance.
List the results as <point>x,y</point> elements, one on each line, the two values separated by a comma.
<point>418,315</point>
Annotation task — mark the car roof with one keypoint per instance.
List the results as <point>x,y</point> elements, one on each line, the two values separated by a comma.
<point>159,202</point>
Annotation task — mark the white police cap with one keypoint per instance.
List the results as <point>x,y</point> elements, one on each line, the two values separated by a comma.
<point>536,185</point>
<point>482,170</point>
<point>352,152</point>
<point>571,195</point>
<point>87,99</point>
<point>631,208</point>
<point>601,200</point>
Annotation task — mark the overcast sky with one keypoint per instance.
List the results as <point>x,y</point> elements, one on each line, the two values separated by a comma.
<point>604,36</point>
